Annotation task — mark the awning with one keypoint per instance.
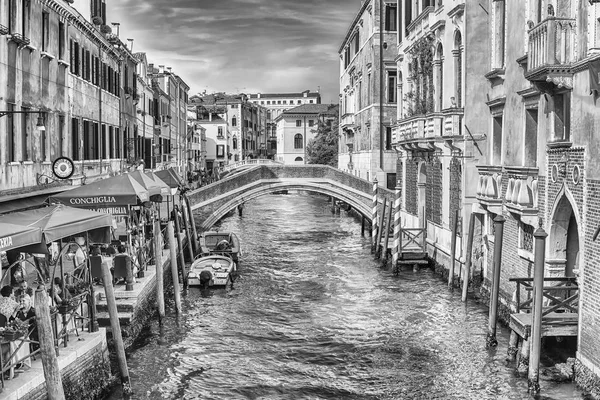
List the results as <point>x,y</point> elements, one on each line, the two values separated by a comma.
<point>165,189</point>
<point>147,182</point>
<point>111,195</point>
<point>170,177</point>
<point>58,221</point>
<point>15,236</point>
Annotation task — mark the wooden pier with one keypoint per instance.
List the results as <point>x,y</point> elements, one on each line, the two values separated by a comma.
<point>413,247</point>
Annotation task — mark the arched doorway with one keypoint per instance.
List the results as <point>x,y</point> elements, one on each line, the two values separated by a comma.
<point>563,255</point>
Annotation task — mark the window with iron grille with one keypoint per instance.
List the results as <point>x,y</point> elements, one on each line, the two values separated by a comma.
<point>526,233</point>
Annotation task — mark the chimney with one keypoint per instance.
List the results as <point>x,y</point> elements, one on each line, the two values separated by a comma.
<point>161,69</point>
<point>151,68</point>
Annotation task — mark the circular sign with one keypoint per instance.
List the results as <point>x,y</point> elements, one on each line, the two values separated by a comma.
<point>63,167</point>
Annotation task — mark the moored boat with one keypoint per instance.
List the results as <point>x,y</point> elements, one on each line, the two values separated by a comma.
<point>211,270</point>
<point>223,243</point>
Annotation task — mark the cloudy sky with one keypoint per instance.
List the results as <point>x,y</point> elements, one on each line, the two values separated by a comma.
<point>241,45</point>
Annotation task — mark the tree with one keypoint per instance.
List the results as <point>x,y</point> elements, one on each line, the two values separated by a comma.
<point>323,149</point>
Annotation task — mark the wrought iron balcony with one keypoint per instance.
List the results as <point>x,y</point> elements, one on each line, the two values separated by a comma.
<point>551,52</point>
<point>489,187</point>
<point>522,193</point>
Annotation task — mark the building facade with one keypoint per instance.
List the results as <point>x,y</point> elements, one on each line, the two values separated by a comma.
<point>368,96</point>
<point>295,128</point>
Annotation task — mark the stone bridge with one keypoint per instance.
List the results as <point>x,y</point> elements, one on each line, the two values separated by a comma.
<point>210,203</point>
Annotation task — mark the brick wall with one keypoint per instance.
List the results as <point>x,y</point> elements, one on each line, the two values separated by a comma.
<point>589,342</point>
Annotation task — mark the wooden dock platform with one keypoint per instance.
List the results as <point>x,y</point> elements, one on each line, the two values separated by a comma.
<point>553,324</point>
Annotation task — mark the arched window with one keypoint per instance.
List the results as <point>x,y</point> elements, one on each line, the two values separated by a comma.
<point>234,121</point>
<point>298,141</point>
<point>458,79</point>
<point>299,159</point>
<point>439,63</point>
<point>234,142</point>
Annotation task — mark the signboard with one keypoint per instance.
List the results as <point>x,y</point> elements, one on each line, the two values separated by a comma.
<point>63,167</point>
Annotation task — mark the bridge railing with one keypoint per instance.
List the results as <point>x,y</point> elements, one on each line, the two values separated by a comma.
<point>256,161</point>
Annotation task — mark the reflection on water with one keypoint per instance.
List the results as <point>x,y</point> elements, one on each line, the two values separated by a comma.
<point>313,316</point>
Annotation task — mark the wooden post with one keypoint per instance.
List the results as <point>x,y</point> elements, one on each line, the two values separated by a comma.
<point>396,249</point>
<point>523,364</point>
<point>54,384</point>
<point>453,251</point>
<point>387,236</point>
<point>533,381</point>
<point>188,233</point>
<point>362,225</point>
<point>172,247</point>
<point>115,327</point>
<point>180,251</point>
<point>491,340</point>
<point>193,223</point>
<point>374,218</point>
<point>380,230</point>
<point>467,273</point>
<point>160,293</point>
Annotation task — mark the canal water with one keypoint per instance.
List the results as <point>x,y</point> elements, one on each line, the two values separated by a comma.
<point>313,316</point>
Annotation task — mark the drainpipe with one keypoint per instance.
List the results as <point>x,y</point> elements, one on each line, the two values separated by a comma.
<point>381,16</point>
<point>304,140</point>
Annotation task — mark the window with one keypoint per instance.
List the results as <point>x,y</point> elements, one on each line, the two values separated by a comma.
<point>75,141</point>
<point>220,132</point>
<point>220,151</point>
<point>61,40</point>
<point>234,121</point>
<point>234,143</point>
<point>285,102</point>
<point>298,123</point>
<point>298,159</point>
<point>26,17</point>
<point>390,17</point>
<point>531,132</point>
<point>311,122</point>
<point>12,16</point>
<point>311,102</point>
<point>562,116</point>
<point>299,101</point>
<point>278,101</point>
<point>43,144</point>
<point>298,141</point>
<point>458,68</point>
<point>268,102</point>
<point>497,140</point>
<point>25,140</point>
<point>526,237</point>
<point>391,86</point>
<point>61,135</point>
<point>388,138</point>
<point>12,134</point>
<point>45,30</point>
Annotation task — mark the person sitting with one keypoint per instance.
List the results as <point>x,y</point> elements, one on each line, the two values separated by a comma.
<point>27,313</point>
<point>118,274</point>
<point>8,305</point>
<point>110,250</point>
<point>223,245</point>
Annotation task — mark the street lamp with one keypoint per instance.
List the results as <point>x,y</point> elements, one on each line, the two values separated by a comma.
<point>40,121</point>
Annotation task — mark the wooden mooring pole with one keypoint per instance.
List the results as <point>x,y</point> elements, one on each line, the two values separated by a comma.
<point>387,236</point>
<point>397,210</point>
<point>174,273</point>
<point>374,218</point>
<point>50,366</point>
<point>533,381</point>
<point>188,233</point>
<point>380,230</point>
<point>115,328</point>
<point>491,340</point>
<point>158,262</point>
<point>180,252</point>
<point>453,250</point>
<point>192,223</point>
<point>468,257</point>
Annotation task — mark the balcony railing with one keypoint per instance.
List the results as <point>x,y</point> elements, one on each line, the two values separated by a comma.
<point>522,192</point>
<point>551,44</point>
<point>489,187</point>
<point>439,124</point>
<point>421,23</point>
<point>348,120</point>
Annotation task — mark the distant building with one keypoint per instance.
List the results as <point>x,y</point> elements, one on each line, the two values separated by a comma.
<point>295,127</point>
<point>366,116</point>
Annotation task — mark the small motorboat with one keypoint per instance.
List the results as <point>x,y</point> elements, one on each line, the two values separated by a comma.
<point>212,270</point>
<point>223,243</point>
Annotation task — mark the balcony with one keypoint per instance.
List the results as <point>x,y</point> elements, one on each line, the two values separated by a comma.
<point>348,123</point>
<point>20,40</point>
<point>522,193</point>
<point>489,187</point>
<point>421,24</point>
<point>551,52</point>
<point>447,123</point>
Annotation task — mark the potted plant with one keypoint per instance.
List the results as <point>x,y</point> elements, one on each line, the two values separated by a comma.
<point>14,330</point>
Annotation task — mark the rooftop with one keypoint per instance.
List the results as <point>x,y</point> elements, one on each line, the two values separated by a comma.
<point>311,109</point>
<point>284,95</point>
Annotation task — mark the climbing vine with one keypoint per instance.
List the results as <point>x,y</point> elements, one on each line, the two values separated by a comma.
<point>419,100</point>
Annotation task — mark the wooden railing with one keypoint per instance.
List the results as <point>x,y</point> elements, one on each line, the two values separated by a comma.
<point>412,239</point>
<point>562,296</point>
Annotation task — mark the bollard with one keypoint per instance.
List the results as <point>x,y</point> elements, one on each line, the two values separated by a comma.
<point>533,381</point>
<point>469,256</point>
<point>50,366</point>
<point>453,251</point>
<point>115,327</point>
<point>160,293</point>
<point>380,230</point>
<point>387,236</point>
<point>397,211</point>
<point>374,218</point>
<point>174,273</point>
<point>491,340</point>
<point>180,252</point>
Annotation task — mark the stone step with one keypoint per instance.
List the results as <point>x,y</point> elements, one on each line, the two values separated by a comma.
<point>126,306</point>
<point>104,319</point>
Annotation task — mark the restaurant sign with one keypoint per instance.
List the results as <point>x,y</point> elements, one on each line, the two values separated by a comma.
<point>112,210</point>
<point>92,200</point>
<point>6,242</point>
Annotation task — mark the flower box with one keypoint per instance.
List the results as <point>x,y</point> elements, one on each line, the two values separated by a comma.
<point>10,335</point>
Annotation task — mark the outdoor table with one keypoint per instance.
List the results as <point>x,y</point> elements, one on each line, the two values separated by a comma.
<point>22,353</point>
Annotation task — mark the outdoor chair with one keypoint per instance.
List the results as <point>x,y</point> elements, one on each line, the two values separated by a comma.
<point>96,267</point>
<point>123,269</point>
<point>3,321</point>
